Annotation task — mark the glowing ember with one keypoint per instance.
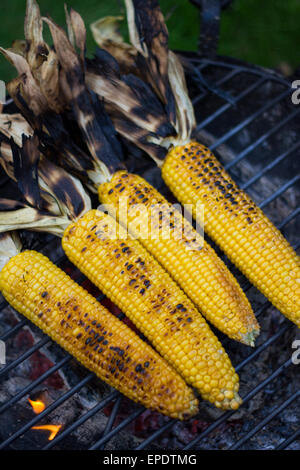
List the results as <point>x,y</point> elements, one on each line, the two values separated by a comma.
<point>53,428</point>
<point>38,406</point>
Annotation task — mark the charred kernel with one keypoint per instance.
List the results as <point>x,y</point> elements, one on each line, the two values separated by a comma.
<point>138,368</point>
<point>110,191</point>
<point>126,248</point>
<point>105,342</point>
<point>142,291</point>
<point>118,185</point>
<point>179,306</point>
<point>88,341</point>
<point>44,294</point>
<point>147,364</point>
<point>130,266</point>
<point>132,281</point>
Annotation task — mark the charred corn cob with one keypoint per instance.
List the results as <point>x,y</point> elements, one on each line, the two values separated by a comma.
<point>181,250</point>
<point>74,319</point>
<point>137,284</point>
<point>237,225</point>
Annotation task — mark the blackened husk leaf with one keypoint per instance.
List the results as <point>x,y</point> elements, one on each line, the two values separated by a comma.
<point>128,94</point>
<point>149,34</point>
<point>73,85</point>
<point>25,169</point>
<point>107,36</point>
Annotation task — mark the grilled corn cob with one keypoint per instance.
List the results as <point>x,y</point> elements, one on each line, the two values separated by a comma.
<point>180,249</point>
<point>74,319</point>
<point>137,284</point>
<point>237,225</point>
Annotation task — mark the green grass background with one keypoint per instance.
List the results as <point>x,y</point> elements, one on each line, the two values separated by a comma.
<point>264,32</point>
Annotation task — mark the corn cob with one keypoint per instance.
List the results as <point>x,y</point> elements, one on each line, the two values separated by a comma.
<point>137,284</point>
<point>191,261</point>
<point>74,319</point>
<point>237,225</point>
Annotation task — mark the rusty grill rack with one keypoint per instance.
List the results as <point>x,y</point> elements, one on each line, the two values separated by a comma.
<point>222,73</point>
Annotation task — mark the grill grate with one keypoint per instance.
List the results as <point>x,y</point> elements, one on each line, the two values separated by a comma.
<point>233,129</point>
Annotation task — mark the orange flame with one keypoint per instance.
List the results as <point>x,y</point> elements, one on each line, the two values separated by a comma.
<point>38,406</point>
<point>53,428</point>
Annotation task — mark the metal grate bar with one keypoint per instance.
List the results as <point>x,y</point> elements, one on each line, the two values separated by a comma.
<point>112,418</point>
<point>265,421</point>
<point>279,191</point>
<point>222,80</point>
<point>157,434</point>
<point>82,420</point>
<point>248,120</point>
<point>269,167</point>
<point>289,441</point>
<point>261,139</point>
<point>288,218</point>
<point>242,364</point>
<point>24,356</point>
<point>226,106</point>
<point>118,428</point>
<point>48,410</point>
<point>33,384</point>
<point>14,329</point>
<point>228,414</point>
<point>241,68</point>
